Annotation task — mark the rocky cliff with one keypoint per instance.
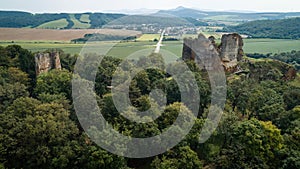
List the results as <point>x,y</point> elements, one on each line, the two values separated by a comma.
<point>46,61</point>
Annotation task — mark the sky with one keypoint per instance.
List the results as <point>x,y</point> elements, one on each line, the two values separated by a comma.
<point>57,6</point>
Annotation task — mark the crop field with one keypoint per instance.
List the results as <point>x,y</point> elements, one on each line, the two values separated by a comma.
<point>149,37</point>
<point>57,24</point>
<point>124,49</point>
<point>25,34</point>
<point>270,45</point>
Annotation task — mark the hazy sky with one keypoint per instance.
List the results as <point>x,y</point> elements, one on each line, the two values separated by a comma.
<point>112,5</point>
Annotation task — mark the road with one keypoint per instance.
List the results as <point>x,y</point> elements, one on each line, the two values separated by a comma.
<point>159,43</point>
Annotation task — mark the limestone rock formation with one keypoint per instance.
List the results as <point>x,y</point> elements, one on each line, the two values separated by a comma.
<point>44,62</point>
<point>229,52</point>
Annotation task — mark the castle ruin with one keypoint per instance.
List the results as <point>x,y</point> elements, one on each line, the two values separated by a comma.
<point>44,62</point>
<point>205,51</point>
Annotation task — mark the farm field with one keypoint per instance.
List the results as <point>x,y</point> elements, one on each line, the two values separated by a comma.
<point>124,49</point>
<point>148,37</point>
<point>24,34</point>
<point>270,45</point>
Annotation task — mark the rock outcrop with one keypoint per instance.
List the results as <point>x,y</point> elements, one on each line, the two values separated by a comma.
<point>44,62</point>
<point>229,52</point>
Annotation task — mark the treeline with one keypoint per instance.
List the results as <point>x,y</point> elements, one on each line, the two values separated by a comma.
<point>13,19</point>
<point>292,57</point>
<point>39,128</point>
<point>25,19</point>
<point>102,37</point>
<point>276,29</point>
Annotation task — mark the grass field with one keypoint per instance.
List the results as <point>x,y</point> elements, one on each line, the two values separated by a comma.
<point>78,24</point>
<point>124,49</point>
<point>85,18</point>
<point>270,45</point>
<point>57,24</point>
<point>148,37</point>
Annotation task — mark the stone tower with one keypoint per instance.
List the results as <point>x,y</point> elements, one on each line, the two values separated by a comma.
<point>44,62</point>
<point>205,50</point>
<point>231,47</point>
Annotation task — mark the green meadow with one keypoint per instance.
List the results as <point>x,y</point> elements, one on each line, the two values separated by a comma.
<point>78,24</point>
<point>124,49</point>
<point>57,24</point>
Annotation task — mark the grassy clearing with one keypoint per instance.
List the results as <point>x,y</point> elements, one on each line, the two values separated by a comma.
<point>78,24</point>
<point>85,18</point>
<point>149,37</point>
<point>57,24</point>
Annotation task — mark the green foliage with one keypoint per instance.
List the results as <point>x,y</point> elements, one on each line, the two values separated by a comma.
<point>102,37</point>
<point>54,82</point>
<point>23,19</point>
<point>180,157</point>
<point>35,135</point>
<point>254,144</point>
<point>43,132</point>
<point>277,29</point>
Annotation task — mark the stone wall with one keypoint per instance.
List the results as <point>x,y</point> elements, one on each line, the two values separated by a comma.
<point>44,62</point>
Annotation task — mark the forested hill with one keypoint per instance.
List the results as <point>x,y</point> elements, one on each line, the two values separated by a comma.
<point>15,19</point>
<point>277,29</point>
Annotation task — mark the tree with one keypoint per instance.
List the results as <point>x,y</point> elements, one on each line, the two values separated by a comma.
<point>36,135</point>
<point>177,158</point>
<point>253,144</point>
<point>54,82</point>
<point>265,104</point>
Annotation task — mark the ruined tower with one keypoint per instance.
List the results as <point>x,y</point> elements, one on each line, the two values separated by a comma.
<point>205,51</point>
<point>44,62</point>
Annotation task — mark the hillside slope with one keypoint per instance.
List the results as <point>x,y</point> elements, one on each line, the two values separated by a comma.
<point>16,19</point>
<point>277,29</point>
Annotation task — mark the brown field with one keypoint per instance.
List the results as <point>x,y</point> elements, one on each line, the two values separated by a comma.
<point>25,34</point>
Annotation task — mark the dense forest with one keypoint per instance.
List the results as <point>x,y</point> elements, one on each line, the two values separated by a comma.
<point>292,57</point>
<point>13,19</point>
<point>260,126</point>
<point>277,29</point>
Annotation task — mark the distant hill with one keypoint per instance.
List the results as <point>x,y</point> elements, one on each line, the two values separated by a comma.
<point>277,29</point>
<point>159,20</point>
<point>175,17</point>
<point>12,19</point>
<point>15,19</point>
<point>227,16</point>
